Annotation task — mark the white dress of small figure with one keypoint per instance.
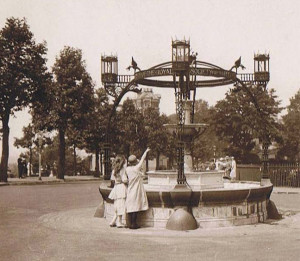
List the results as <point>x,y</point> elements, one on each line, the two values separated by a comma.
<point>118,193</point>
<point>233,169</point>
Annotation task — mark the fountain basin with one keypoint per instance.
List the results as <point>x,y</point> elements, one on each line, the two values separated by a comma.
<point>189,129</point>
<point>195,180</point>
<point>238,203</point>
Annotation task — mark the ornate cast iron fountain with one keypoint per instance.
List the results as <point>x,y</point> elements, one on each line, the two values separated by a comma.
<point>203,198</point>
<point>185,74</point>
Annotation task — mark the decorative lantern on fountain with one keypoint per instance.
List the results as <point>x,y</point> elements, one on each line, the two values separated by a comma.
<point>180,56</point>
<point>261,68</point>
<point>109,70</point>
<point>181,67</point>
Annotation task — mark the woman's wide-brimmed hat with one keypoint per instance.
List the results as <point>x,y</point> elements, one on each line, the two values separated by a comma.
<point>132,159</point>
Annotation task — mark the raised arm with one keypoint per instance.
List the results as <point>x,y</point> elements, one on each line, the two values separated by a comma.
<point>139,165</point>
<point>123,174</point>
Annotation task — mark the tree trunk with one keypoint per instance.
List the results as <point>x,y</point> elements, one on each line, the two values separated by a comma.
<point>62,154</point>
<point>5,149</point>
<point>101,163</point>
<point>97,172</point>
<point>30,161</point>
<point>157,161</point>
<point>74,160</point>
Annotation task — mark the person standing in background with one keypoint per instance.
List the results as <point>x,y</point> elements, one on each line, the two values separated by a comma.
<point>25,170</point>
<point>228,166</point>
<point>20,167</point>
<point>233,169</point>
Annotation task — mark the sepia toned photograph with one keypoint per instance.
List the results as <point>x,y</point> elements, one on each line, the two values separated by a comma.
<point>149,130</point>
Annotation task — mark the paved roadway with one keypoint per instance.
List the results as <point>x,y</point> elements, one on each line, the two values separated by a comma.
<point>55,222</point>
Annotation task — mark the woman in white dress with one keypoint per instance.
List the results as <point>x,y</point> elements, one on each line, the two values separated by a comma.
<point>136,200</point>
<point>233,169</point>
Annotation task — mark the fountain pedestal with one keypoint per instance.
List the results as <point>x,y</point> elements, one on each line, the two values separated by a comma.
<point>190,131</point>
<point>182,218</point>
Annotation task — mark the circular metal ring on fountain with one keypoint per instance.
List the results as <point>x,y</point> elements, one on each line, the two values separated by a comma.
<point>225,77</point>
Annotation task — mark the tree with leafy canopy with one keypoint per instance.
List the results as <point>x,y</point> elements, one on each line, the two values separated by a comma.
<point>75,133</point>
<point>74,140</point>
<point>50,156</point>
<point>157,134</point>
<point>128,133</point>
<point>207,143</point>
<point>31,142</point>
<point>71,92</point>
<point>238,120</point>
<point>23,76</point>
<point>290,145</point>
<point>94,134</point>
<point>27,141</point>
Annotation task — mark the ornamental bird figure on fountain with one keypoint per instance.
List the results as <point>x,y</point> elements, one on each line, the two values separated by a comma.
<point>237,64</point>
<point>133,65</point>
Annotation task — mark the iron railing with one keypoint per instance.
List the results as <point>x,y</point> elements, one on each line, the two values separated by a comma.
<point>287,175</point>
<point>281,175</point>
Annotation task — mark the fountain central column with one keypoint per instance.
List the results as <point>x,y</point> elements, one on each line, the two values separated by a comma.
<point>188,136</point>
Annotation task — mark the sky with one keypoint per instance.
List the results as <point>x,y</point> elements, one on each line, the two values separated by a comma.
<point>220,31</point>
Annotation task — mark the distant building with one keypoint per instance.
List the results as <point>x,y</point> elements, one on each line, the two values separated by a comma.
<point>146,99</point>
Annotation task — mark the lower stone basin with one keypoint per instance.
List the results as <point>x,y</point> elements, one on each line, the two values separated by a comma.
<point>237,203</point>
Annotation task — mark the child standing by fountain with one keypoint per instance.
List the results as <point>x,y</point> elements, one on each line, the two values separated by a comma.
<point>136,200</point>
<point>118,193</point>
